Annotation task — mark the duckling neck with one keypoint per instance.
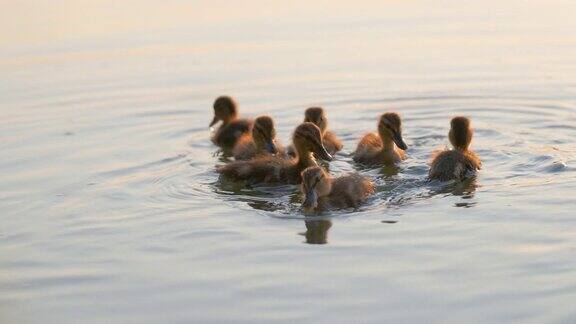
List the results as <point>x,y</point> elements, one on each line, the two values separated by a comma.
<point>260,146</point>
<point>387,144</point>
<point>306,159</point>
<point>229,120</point>
<point>462,149</point>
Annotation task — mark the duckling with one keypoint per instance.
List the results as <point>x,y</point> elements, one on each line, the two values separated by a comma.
<point>383,148</point>
<point>331,142</point>
<point>457,163</point>
<point>273,169</point>
<point>261,142</point>
<point>232,128</point>
<point>323,192</point>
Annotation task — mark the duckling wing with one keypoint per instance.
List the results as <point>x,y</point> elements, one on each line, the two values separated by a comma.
<point>245,149</point>
<point>259,170</point>
<point>228,135</point>
<point>453,165</point>
<point>443,166</point>
<point>331,142</point>
<point>368,148</point>
<point>473,161</point>
<point>350,191</point>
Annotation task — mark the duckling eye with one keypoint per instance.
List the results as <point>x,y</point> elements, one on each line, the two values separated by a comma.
<point>390,128</point>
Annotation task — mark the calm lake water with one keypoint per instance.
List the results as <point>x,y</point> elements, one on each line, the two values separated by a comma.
<point>112,212</point>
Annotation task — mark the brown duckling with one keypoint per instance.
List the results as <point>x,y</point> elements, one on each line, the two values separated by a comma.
<point>232,128</point>
<point>387,147</point>
<point>331,142</point>
<point>455,164</point>
<point>262,141</point>
<point>274,169</point>
<point>323,192</point>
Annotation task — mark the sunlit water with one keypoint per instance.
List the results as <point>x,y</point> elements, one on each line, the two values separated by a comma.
<point>111,210</point>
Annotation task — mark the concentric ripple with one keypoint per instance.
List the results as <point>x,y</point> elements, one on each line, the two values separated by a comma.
<point>517,156</point>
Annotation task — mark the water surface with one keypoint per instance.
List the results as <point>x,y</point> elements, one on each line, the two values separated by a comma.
<point>112,211</point>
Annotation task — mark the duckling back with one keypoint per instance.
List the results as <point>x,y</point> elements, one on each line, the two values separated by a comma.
<point>350,191</point>
<point>268,169</point>
<point>245,148</point>
<point>453,165</point>
<point>261,141</point>
<point>228,135</point>
<point>368,149</point>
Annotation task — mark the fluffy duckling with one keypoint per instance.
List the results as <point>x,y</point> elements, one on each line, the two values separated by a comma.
<point>383,148</point>
<point>457,163</point>
<point>232,128</point>
<point>262,141</point>
<point>323,192</point>
<point>331,142</point>
<point>273,169</point>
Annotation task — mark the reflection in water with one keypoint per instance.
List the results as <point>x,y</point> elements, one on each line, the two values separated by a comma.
<point>385,170</point>
<point>389,170</point>
<point>317,231</point>
<point>465,189</point>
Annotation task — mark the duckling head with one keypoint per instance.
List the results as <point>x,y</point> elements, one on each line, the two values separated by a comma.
<point>460,134</point>
<point>307,138</point>
<point>264,133</point>
<point>316,115</point>
<point>315,183</point>
<point>390,126</point>
<point>225,110</point>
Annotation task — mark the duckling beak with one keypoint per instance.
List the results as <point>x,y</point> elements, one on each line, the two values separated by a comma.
<point>397,138</point>
<point>311,200</point>
<point>271,147</point>
<point>214,121</point>
<point>322,153</point>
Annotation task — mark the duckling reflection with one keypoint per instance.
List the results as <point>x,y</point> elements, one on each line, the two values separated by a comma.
<point>387,147</point>
<point>232,128</point>
<point>389,170</point>
<point>321,192</point>
<point>464,189</point>
<point>317,116</point>
<point>459,162</point>
<point>261,141</point>
<point>272,169</point>
<point>317,231</point>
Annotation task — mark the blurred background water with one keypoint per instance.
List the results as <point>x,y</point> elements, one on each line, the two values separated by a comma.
<point>111,211</point>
